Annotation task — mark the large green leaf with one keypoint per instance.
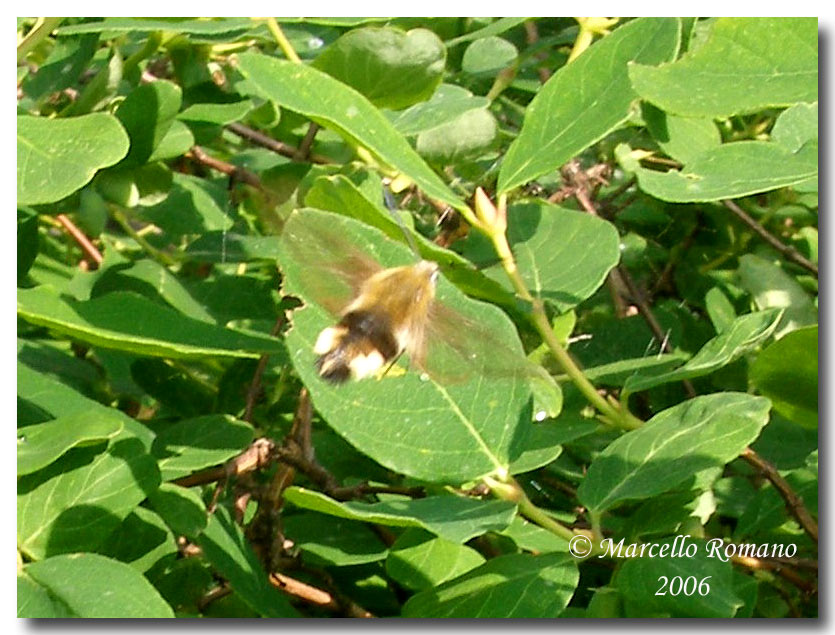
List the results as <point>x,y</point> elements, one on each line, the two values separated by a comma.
<point>787,373</point>
<point>193,444</point>
<point>746,65</point>
<point>40,444</point>
<point>744,334</point>
<point>585,100</point>
<point>468,136</point>
<point>226,548</point>
<point>88,585</point>
<point>418,560</point>
<point>335,105</point>
<point>563,255</point>
<point>333,541</point>
<point>454,518</point>
<point>731,170</point>
<point>226,27</point>
<point>675,444</point>
<point>130,322</point>
<point>56,157</point>
<point>514,585</point>
<point>392,68</point>
<point>147,114</point>
<point>771,287</point>
<point>462,421</point>
<point>640,580</point>
<point>76,501</point>
<point>446,104</point>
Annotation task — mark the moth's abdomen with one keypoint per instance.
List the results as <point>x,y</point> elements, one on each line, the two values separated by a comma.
<point>357,347</point>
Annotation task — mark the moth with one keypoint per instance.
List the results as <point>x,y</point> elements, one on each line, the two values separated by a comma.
<point>383,313</point>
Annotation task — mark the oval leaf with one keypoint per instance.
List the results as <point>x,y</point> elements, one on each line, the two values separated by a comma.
<point>745,65</point>
<point>392,68</point>
<point>585,100</point>
<point>90,585</point>
<point>676,443</point>
<point>514,585</point>
<point>333,104</point>
<point>56,157</point>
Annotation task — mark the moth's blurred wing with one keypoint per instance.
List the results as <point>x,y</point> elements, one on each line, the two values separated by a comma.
<point>329,268</point>
<point>459,347</point>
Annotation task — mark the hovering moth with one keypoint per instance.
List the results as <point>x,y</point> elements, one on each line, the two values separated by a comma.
<point>382,312</point>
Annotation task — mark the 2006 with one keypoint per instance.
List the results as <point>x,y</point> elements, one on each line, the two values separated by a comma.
<point>678,585</point>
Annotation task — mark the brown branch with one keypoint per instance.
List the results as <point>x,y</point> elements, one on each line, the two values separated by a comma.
<point>255,384</point>
<point>256,456</point>
<point>89,249</point>
<point>794,503</point>
<point>780,569</point>
<point>239,174</point>
<point>787,250</point>
<point>316,596</point>
<point>279,147</point>
<point>304,147</point>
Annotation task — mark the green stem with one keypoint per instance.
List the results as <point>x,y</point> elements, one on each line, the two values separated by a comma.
<point>510,490</point>
<point>282,41</point>
<point>160,256</point>
<point>43,27</point>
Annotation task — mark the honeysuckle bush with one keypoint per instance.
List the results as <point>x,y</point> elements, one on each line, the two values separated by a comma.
<point>630,204</point>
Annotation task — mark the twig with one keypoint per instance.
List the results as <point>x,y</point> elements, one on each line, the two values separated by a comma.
<point>279,147</point>
<point>794,503</point>
<point>532,37</point>
<point>780,569</point>
<point>213,594</point>
<point>318,597</point>
<point>43,27</point>
<point>80,237</point>
<point>304,147</point>
<point>256,456</point>
<point>239,174</point>
<point>255,384</point>
<point>787,250</point>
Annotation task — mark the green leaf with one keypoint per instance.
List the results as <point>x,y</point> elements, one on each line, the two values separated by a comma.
<point>333,541</point>
<point>144,185</point>
<point>585,100</point>
<point>76,501</point>
<point>744,334</point>
<point>220,27</point>
<point>329,102</point>
<point>675,444</point>
<point>500,25</point>
<point>59,400</point>
<point>176,142</point>
<point>464,420</point>
<point>616,373</point>
<point>147,113</point>
<point>514,585</point>
<point>38,445</point>
<point>224,545</point>
<point>194,444</point>
<point>142,540</point>
<point>787,373</point>
<point>33,600</point>
<point>639,580</point>
<point>534,538</point>
<point>488,55</point>
<point>130,322</point>
<point>89,585</point>
<point>795,126</point>
<point>720,310</point>
<point>467,136</point>
<point>445,105</point>
<point>771,287</point>
<point>563,255</point>
<point>182,509</point>
<point>731,170</point>
<point>453,518</point>
<point>683,138</point>
<point>392,68</point>
<point>219,114</point>
<point>418,560</point>
<point>225,247</point>
<point>56,157</point>
<point>193,206</point>
<point>746,65</point>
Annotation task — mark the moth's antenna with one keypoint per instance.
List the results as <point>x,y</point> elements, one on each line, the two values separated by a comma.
<point>391,205</point>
